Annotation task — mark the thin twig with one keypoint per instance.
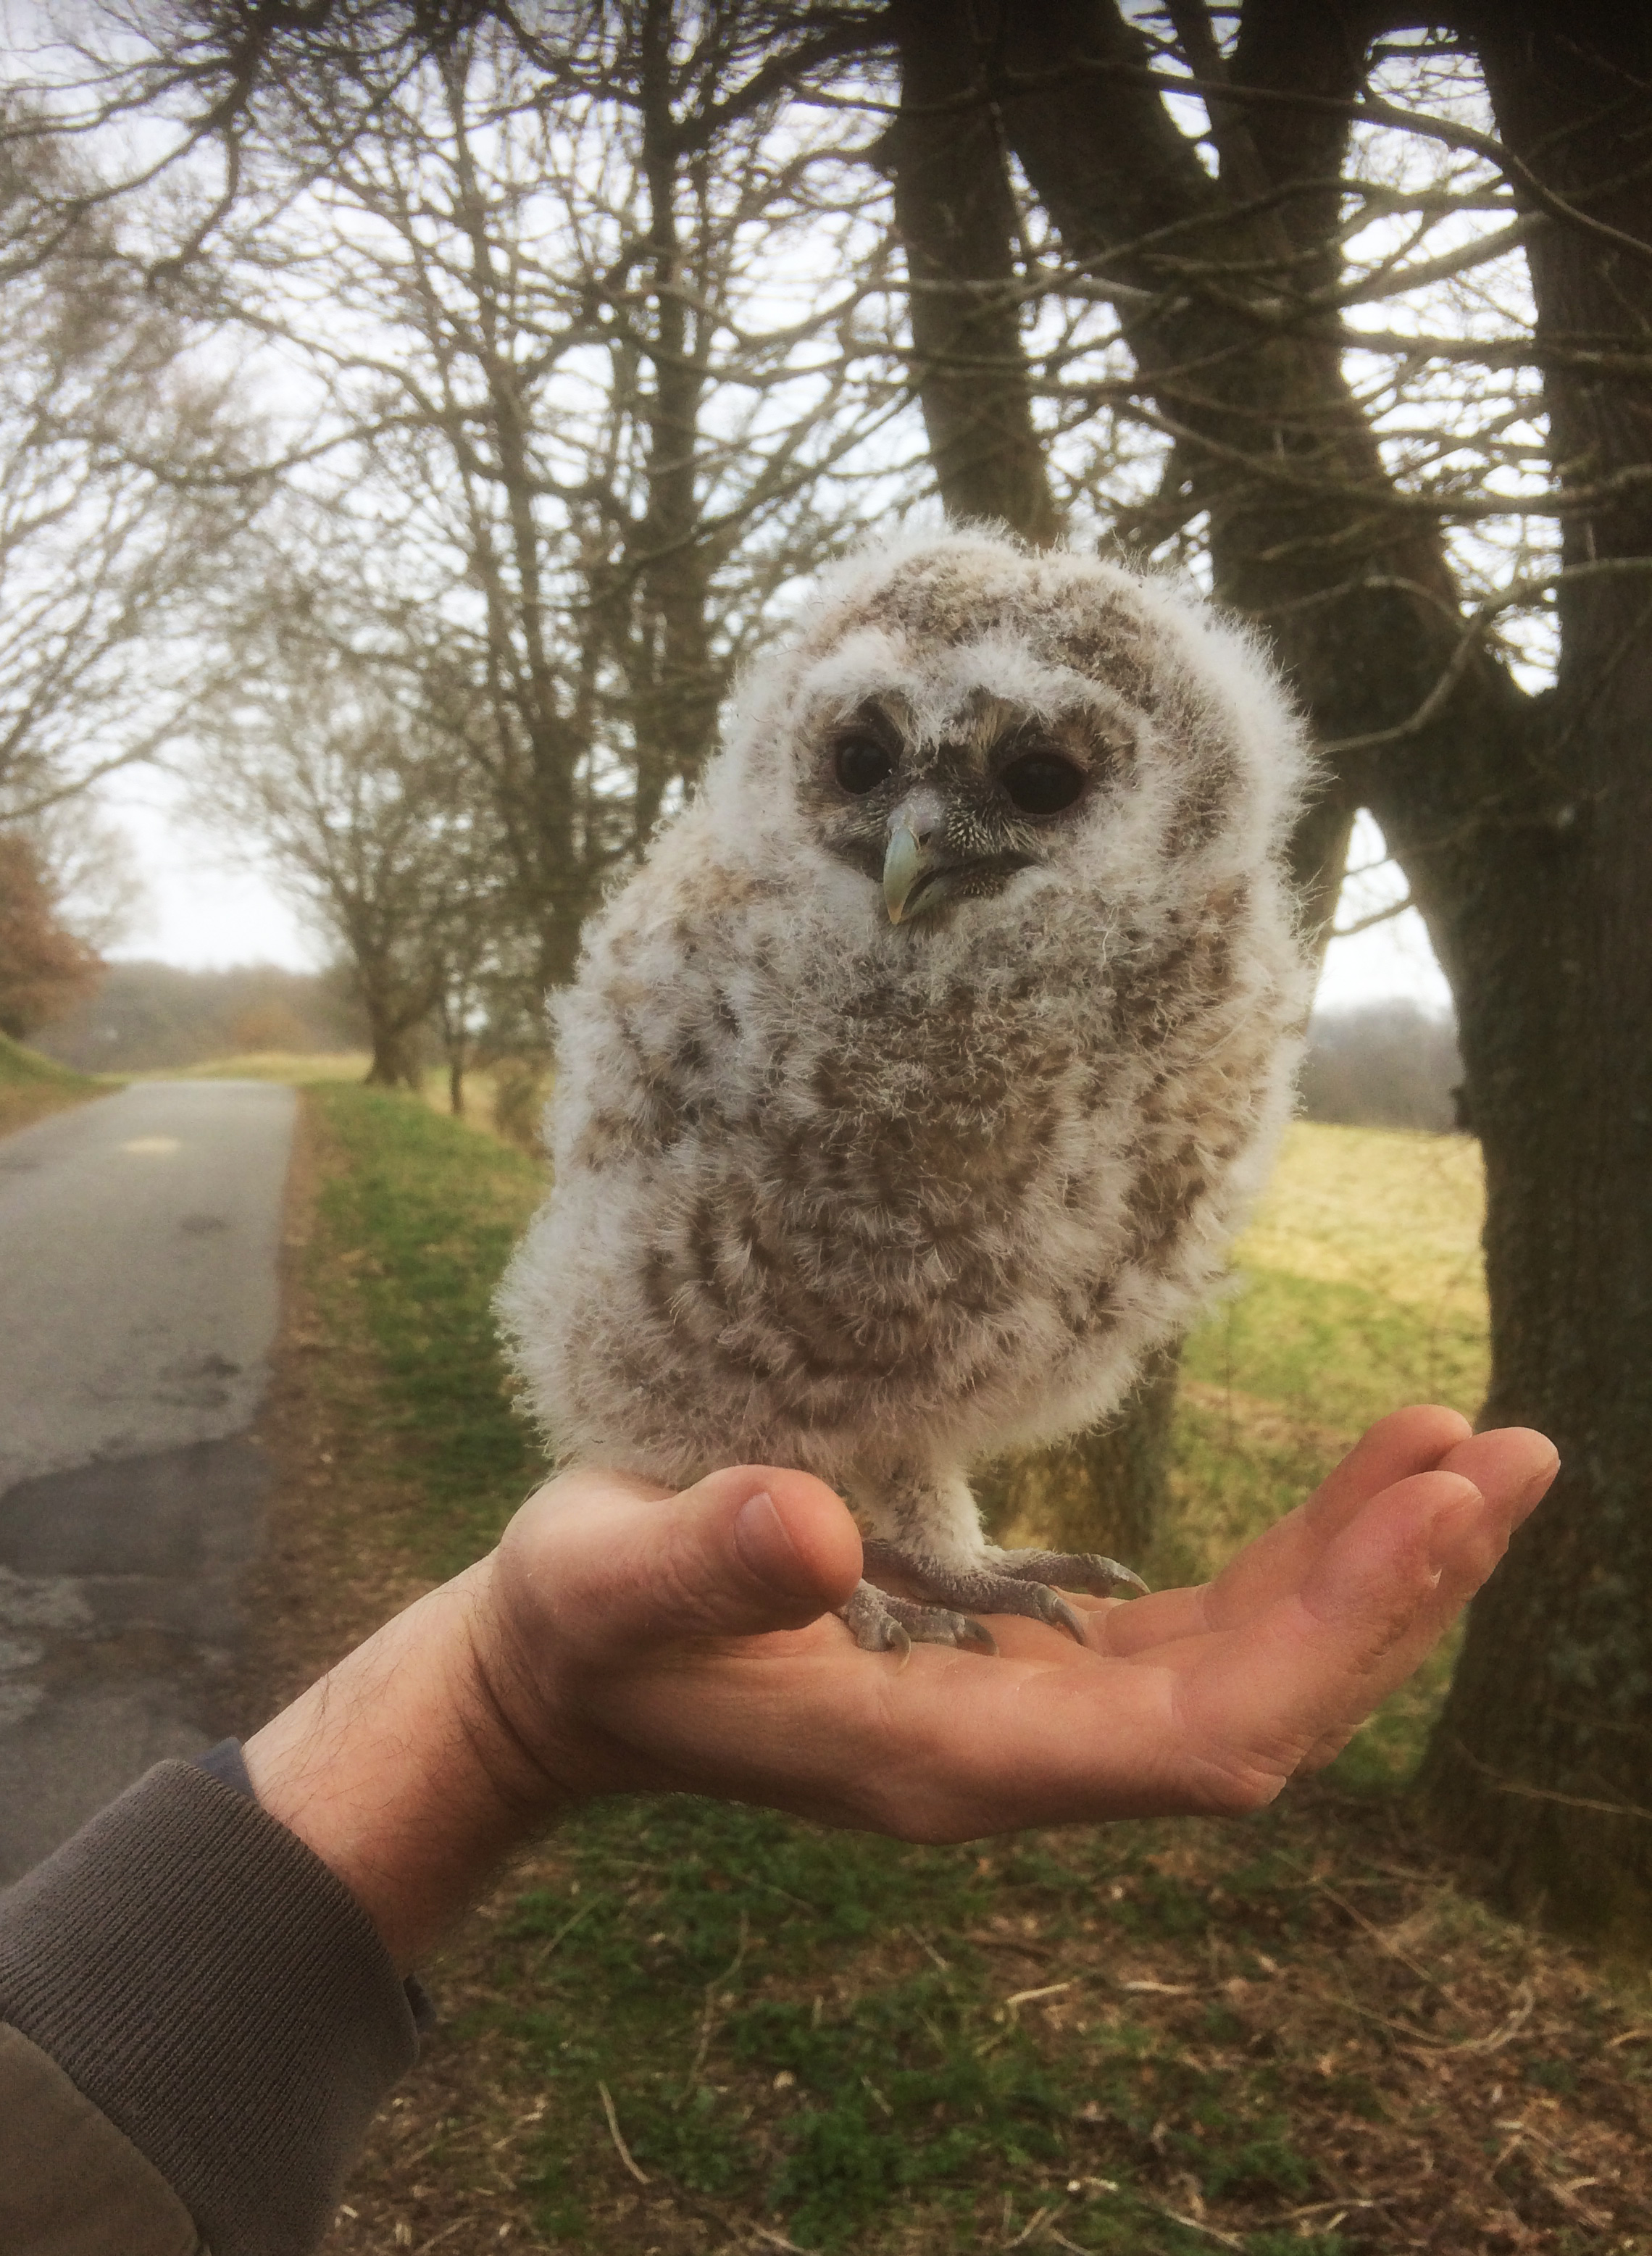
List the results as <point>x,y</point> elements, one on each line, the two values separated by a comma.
<point>930,1950</point>
<point>620,2147</point>
<point>777,2239</point>
<point>1021,1942</point>
<point>1343,2202</point>
<point>443,2235</point>
<point>1499,2038</point>
<point>1377,916</point>
<point>1193,2224</point>
<point>561,1935</point>
<point>1527,1793</point>
<point>708,2016</point>
<point>1382,1941</point>
<point>1049,1990</point>
<point>1038,2219</point>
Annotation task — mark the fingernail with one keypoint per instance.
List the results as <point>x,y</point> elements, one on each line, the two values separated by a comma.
<point>767,1550</point>
<point>1538,1486</point>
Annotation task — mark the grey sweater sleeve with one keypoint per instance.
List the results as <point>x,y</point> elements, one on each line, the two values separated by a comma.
<point>216,1994</point>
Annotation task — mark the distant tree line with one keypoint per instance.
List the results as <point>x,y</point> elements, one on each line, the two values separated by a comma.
<point>1386,1064</point>
<point>143,1017</point>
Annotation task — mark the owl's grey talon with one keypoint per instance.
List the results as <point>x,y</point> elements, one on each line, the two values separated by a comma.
<point>1068,1570</point>
<point>883,1624</point>
<point>992,1587</point>
<point>1061,1616</point>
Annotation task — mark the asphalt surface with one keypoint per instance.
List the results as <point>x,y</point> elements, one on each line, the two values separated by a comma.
<point>139,1238</point>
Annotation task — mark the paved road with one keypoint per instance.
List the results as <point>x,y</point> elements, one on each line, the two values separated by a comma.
<point>138,1301</point>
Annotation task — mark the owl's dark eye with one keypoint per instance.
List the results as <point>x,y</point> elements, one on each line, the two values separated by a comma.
<point>1041,783</point>
<point>861,764</point>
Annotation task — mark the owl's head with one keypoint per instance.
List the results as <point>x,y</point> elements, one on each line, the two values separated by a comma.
<point>959,720</point>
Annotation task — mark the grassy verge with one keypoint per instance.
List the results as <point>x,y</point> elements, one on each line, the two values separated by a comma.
<point>1289,2034</point>
<point>416,1227</point>
<point>301,1069</point>
<point>32,1085</point>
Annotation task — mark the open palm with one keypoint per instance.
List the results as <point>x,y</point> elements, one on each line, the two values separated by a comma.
<point>636,1641</point>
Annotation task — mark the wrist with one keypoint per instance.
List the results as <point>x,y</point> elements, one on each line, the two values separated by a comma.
<point>402,1770</point>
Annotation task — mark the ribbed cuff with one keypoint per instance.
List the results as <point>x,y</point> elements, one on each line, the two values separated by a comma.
<point>206,1981</point>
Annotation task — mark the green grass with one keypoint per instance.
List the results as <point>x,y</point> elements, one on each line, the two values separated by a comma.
<point>815,2031</point>
<point>32,1085</point>
<point>1359,1285</point>
<point>419,1225</point>
<point>693,1960</point>
<point>1358,1288</point>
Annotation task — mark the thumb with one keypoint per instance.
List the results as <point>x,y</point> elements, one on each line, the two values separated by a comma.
<point>750,1550</point>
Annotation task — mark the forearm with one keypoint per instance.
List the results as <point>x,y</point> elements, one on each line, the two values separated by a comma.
<point>398,1771</point>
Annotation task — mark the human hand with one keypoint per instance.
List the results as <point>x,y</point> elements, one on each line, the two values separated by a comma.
<point>636,1646</point>
<point>622,1639</point>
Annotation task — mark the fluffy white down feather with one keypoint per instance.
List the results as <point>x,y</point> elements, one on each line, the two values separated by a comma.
<point>876,1200</point>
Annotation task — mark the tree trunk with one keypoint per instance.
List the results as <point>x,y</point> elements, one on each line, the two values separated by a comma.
<point>1542,1758</point>
<point>1105,1490</point>
<point>957,221</point>
<point>393,1065</point>
<point>675,687</point>
<point>1522,827</point>
<point>392,1027</point>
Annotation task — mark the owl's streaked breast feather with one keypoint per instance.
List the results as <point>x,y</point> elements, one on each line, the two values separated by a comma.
<point>876,1200</point>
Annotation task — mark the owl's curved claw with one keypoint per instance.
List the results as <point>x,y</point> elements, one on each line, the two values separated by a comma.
<point>1055,1609</point>
<point>1004,1583</point>
<point>1068,1570</point>
<point>881,1622</point>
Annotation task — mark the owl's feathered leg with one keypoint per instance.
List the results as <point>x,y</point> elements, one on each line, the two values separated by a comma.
<point>921,1530</point>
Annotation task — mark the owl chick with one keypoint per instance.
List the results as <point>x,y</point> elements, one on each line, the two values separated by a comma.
<point>914,1086</point>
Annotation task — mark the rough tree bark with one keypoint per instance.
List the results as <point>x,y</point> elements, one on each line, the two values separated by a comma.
<point>675,686</point>
<point>1542,1759</point>
<point>956,217</point>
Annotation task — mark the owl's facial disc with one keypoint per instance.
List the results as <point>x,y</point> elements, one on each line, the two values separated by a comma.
<point>945,823</point>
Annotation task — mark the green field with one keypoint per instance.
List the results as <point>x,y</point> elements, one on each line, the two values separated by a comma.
<point>850,2042</point>
<point>1358,1288</point>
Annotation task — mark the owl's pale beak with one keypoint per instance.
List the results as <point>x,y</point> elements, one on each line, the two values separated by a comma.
<point>916,852</point>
